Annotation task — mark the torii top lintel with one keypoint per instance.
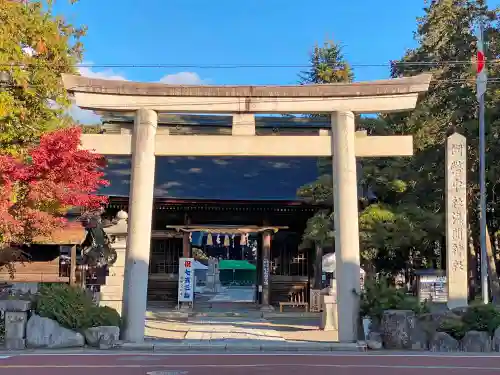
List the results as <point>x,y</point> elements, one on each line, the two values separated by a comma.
<point>392,95</point>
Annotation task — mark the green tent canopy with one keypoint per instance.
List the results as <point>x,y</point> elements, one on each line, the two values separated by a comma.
<point>236,265</point>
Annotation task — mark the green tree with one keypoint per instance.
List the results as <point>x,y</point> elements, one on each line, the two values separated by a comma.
<point>446,44</point>
<point>327,65</point>
<point>36,48</point>
<point>410,191</point>
<point>381,225</point>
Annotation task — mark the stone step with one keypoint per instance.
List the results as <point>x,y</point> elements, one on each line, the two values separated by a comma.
<point>111,290</point>
<point>120,261</point>
<point>114,281</point>
<point>291,314</point>
<point>116,271</point>
<point>181,315</point>
<point>110,297</point>
<point>225,314</point>
<point>255,314</point>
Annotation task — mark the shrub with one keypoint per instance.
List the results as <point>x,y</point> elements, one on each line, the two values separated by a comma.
<point>456,328</point>
<point>2,326</point>
<point>482,318</point>
<point>485,318</point>
<point>73,308</point>
<point>378,295</point>
<point>105,316</point>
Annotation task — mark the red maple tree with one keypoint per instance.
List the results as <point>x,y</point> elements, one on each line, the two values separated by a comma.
<point>37,189</point>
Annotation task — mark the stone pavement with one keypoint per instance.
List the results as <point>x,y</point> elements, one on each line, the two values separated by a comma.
<point>207,328</point>
<point>229,332</point>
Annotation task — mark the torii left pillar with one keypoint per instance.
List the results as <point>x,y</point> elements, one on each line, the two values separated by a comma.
<point>135,288</point>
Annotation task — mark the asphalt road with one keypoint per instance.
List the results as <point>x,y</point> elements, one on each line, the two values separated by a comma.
<point>251,364</point>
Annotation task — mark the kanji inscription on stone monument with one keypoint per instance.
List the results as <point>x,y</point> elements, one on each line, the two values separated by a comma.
<point>456,220</point>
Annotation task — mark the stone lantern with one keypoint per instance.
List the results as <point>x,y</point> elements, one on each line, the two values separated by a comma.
<point>112,292</point>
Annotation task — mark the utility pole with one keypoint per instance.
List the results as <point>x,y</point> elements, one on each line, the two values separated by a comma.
<point>481,81</point>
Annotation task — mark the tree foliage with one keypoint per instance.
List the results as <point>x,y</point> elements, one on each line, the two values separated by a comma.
<point>37,188</point>
<point>36,48</point>
<point>402,221</point>
<point>447,43</point>
<point>327,65</point>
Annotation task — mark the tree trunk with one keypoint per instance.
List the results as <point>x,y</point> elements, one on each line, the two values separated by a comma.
<point>492,270</point>
<point>472,267</point>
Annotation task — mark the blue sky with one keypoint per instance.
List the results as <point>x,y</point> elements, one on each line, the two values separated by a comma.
<point>252,32</point>
<point>265,32</point>
<point>275,32</point>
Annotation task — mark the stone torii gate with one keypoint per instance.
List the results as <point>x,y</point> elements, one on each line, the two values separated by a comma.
<point>341,143</point>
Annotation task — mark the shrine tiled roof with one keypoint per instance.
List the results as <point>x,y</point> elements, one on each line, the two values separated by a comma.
<point>221,178</point>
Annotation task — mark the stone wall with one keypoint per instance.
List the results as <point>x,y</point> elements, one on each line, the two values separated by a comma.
<point>403,330</point>
<point>15,317</point>
<point>24,329</point>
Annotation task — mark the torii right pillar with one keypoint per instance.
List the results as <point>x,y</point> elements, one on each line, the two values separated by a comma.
<point>346,224</point>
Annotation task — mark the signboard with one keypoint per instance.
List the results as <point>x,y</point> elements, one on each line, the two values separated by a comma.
<point>433,288</point>
<point>265,266</point>
<point>186,280</point>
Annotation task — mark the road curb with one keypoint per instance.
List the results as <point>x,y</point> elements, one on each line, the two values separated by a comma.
<point>238,347</point>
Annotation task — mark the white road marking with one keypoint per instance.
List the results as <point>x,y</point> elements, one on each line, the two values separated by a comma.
<point>264,354</point>
<point>266,365</point>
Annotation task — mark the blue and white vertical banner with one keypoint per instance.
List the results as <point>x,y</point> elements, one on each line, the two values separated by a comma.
<point>186,279</point>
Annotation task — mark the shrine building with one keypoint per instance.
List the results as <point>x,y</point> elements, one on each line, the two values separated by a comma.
<point>225,202</point>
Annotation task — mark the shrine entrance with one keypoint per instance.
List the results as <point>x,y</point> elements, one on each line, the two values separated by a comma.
<point>229,266</point>
<point>340,143</point>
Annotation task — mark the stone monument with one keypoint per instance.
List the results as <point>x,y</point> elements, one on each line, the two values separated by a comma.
<point>456,220</point>
<point>213,279</point>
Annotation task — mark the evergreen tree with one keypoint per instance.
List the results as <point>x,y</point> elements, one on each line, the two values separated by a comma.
<point>404,229</point>
<point>327,65</point>
<point>446,44</point>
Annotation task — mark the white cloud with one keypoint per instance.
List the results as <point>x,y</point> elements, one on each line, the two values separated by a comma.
<point>104,74</point>
<point>183,78</point>
<point>88,117</point>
